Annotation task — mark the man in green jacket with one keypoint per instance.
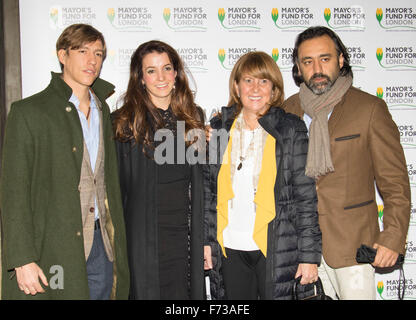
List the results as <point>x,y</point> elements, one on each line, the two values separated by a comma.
<point>62,218</point>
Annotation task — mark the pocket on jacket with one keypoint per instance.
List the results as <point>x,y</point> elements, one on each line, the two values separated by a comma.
<point>349,137</point>
<point>359,205</point>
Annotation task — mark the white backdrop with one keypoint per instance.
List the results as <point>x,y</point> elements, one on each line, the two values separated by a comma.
<point>211,35</point>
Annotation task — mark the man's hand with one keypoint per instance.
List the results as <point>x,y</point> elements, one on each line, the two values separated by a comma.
<point>207,258</point>
<point>309,273</point>
<point>384,257</point>
<point>28,278</point>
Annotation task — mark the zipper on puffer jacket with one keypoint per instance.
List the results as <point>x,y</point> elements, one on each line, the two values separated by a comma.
<point>278,179</point>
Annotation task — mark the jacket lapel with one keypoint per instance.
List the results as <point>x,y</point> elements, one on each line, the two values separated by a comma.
<point>336,115</point>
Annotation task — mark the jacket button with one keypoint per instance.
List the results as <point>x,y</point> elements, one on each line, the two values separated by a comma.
<point>92,209</point>
<point>79,233</point>
<point>74,149</point>
<point>68,109</point>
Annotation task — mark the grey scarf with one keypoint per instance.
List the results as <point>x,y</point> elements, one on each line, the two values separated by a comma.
<point>318,107</point>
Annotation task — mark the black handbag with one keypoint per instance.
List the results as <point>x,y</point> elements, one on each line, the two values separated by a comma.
<point>318,292</point>
<point>366,254</point>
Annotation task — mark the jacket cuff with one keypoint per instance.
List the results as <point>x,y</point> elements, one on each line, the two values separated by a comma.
<point>392,242</point>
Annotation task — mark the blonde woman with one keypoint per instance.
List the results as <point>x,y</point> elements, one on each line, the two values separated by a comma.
<point>261,222</point>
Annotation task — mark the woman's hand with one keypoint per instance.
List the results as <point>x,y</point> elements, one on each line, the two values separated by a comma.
<point>207,258</point>
<point>309,273</point>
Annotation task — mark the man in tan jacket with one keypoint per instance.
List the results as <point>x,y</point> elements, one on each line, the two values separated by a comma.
<point>354,144</point>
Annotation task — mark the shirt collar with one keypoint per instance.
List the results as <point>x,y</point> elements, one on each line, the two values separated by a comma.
<point>74,99</point>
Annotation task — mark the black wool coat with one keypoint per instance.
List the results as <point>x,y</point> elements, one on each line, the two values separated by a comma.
<point>294,235</point>
<point>138,181</point>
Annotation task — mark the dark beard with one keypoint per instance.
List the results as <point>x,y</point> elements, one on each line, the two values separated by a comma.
<point>322,87</point>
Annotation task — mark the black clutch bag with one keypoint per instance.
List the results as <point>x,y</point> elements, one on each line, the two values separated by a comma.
<point>318,292</point>
<point>366,254</point>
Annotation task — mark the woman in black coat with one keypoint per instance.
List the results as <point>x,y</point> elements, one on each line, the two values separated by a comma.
<point>261,221</point>
<point>162,191</point>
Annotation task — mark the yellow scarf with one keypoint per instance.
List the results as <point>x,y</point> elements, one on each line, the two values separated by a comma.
<point>264,198</point>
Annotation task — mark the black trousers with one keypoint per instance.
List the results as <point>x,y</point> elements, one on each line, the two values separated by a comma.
<point>244,274</point>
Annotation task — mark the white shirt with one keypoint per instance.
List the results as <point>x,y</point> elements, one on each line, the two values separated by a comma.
<point>238,234</point>
<point>308,120</point>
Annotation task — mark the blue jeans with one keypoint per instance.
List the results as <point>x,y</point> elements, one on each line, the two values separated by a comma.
<point>99,270</point>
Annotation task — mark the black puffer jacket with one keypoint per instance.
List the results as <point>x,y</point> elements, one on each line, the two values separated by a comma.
<point>293,236</point>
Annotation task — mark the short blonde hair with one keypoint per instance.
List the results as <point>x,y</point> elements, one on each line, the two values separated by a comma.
<point>257,64</point>
<point>76,35</point>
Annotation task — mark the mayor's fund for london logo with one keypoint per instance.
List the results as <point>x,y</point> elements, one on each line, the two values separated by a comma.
<point>398,97</point>
<point>397,58</point>
<point>185,19</point>
<point>292,18</point>
<point>357,58</point>
<point>229,56</point>
<point>283,58</point>
<point>62,16</point>
<point>407,133</point>
<point>388,289</point>
<point>345,18</point>
<point>130,19</point>
<point>194,58</point>
<point>396,18</point>
<point>237,19</point>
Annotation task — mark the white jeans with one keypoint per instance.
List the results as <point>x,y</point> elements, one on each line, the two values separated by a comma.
<point>349,283</point>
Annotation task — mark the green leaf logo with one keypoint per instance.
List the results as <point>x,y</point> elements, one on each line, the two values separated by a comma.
<point>379,54</point>
<point>275,54</point>
<point>327,14</point>
<point>110,14</point>
<point>380,207</point>
<point>221,14</point>
<point>275,14</point>
<point>379,14</point>
<point>380,94</point>
<point>54,15</point>
<point>380,287</point>
<point>221,55</point>
<point>166,14</point>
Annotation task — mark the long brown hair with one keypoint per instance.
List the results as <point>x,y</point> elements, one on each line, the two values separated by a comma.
<point>260,65</point>
<point>138,118</point>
